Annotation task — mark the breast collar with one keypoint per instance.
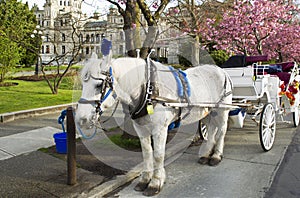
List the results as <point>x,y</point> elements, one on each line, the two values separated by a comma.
<point>145,101</point>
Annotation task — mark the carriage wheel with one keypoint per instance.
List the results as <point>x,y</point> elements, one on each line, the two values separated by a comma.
<point>202,130</point>
<point>296,118</point>
<point>267,127</point>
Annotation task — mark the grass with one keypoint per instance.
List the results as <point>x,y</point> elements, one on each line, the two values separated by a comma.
<point>124,142</point>
<point>32,68</point>
<point>29,95</point>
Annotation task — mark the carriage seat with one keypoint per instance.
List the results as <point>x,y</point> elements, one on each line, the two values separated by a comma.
<point>285,74</point>
<point>243,61</point>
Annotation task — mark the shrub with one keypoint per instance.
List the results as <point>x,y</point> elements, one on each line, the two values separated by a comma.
<point>219,56</point>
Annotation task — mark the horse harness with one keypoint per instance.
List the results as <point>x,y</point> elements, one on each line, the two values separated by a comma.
<point>106,83</point>
<point>150,94</point>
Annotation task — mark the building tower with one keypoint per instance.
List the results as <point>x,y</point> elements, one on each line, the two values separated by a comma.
<point>55,22</point>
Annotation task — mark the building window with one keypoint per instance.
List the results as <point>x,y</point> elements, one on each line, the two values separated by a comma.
<point>47,38</point>
<point>63,37</point>
<point>64,3</point>
<point>87,50</point>
<point>121,49</point>
<point>92,38</point>
<point>43,50</point>
<point>60,3</point>
<point>80,38</point>
<point>87,39</point>
<point>63,49</point>
<point>97,38</point>
<point>121,35</point>
<point>47,49</point>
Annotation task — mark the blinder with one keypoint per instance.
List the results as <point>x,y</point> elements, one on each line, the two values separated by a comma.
<point>105,83</point>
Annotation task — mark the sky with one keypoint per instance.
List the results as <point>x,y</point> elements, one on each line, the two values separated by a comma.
<point>88,6</point>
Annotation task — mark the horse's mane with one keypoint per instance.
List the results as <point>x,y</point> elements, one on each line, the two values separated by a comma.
<point>127,65</point>
<point>129,77</point>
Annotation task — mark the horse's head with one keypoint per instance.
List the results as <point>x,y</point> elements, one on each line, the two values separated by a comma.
<point>97,92</point>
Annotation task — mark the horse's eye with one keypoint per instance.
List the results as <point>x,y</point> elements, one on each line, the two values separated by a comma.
<point>99,85</point>
<point>86,76</point>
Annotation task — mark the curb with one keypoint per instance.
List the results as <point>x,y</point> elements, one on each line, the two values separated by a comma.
<point>11,116</point>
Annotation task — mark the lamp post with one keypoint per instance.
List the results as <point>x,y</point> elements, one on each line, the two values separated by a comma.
<point>37,33</point>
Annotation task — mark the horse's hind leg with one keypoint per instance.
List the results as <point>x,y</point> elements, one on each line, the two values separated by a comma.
<point>159,175</point>
<point>147,173</point>
<point>206,147</point>
<point>221,121</point>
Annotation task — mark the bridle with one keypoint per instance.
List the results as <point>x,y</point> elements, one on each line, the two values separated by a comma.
<point>106,83</point>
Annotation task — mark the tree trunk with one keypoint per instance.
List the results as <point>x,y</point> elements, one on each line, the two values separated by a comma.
<point>149,41</point>
<point>195,52</point>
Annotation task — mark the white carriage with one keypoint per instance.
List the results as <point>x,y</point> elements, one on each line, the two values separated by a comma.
<point>270,92</point>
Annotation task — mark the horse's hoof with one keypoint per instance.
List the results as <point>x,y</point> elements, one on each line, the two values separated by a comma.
<point>203,160</point>
<point>214,161</point>
<point>141,187</point>
<point>151,191</point>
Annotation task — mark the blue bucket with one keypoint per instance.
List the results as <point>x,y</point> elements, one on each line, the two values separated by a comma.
<point>60,142</point>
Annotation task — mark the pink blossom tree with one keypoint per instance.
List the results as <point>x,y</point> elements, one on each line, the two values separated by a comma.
<point>257,27</point>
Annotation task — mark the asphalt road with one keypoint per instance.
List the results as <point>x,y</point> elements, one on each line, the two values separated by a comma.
<point>246,170</point>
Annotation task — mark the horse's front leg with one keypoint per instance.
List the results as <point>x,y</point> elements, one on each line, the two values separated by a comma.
<point>147,173</point>
<point>159,175</point>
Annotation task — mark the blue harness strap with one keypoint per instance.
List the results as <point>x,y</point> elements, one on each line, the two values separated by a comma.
<point>178,81</point>
<point>110,89</point>
<point>186,81</point>
<point>181,88</point>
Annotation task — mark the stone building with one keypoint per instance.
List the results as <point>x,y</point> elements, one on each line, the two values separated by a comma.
<point>65,29</point>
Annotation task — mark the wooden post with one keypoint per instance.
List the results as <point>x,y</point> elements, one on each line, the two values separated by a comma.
<point>71,147</point>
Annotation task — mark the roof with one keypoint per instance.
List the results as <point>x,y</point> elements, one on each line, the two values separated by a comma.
<point>95,24</point>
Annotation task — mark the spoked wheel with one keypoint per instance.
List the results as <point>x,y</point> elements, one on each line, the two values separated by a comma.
<point>267,127</point>
<point>202,130</point>
<point>296,117</point>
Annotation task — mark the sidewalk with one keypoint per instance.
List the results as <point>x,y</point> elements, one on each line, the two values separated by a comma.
<point>27,172</point>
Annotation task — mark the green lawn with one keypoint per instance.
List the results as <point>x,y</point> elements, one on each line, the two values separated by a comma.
<point>29,95</point>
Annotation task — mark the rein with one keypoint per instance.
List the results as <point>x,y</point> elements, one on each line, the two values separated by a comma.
<point>107,83</point>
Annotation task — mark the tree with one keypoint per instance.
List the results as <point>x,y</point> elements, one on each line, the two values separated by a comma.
<point>70,36</point>
<point>9,55</point>
<point>131,10</point>
<point>17,23</point>
<point>251,26</point>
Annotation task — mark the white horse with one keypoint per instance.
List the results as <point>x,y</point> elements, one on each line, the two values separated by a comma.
<point>208,85</point>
